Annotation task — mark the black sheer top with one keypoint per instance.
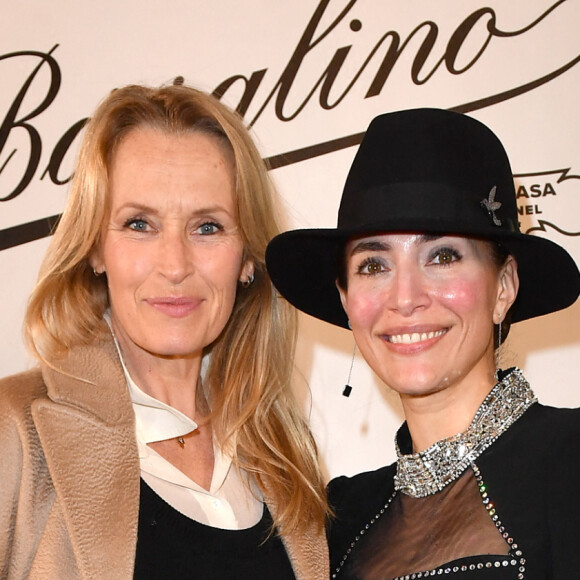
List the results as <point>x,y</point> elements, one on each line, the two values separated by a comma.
<point>445,533</point>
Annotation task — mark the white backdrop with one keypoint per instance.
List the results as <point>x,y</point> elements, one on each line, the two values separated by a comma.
<point>306,74</point>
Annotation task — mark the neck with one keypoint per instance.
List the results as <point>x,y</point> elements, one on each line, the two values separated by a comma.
<point>444,413</point>
<point>172,380</point>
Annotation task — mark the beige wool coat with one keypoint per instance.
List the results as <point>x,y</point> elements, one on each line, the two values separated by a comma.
<point>69,475</point>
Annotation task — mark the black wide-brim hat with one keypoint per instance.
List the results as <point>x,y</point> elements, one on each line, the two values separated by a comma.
<point>426,171</point>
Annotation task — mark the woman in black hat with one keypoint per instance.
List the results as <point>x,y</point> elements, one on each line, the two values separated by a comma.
<point>428,267</point>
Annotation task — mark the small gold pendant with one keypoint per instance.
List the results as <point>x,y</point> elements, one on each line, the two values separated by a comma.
<point>181,442</point>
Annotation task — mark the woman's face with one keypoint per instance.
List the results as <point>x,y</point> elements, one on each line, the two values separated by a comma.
<point>171,248</point>
<point>422,308</point>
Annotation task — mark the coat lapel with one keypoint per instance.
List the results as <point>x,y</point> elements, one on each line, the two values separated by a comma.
<point>308,551</point>
<point>87,432</point>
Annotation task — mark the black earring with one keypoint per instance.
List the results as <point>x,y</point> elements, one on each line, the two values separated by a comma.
<point>347,388</point>
<point>499,373</point>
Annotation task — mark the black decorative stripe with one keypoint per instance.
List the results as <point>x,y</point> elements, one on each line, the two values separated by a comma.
<point>28,232</point>
<point>312,151</point>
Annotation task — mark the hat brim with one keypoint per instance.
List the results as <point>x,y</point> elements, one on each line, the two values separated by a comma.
<point>303,265</point>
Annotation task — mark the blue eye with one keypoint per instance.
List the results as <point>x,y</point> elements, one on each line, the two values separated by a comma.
<point>137,225</point>
<point>209,228</point>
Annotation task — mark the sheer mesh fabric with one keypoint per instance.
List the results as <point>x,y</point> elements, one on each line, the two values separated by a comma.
<point>419,534</point>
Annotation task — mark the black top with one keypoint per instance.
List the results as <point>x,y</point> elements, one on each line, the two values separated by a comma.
<point>532,477</point>
<point>173,546</point>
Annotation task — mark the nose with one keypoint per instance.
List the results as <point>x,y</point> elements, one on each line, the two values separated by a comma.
<point>175,257</point>
<point>409,290</point>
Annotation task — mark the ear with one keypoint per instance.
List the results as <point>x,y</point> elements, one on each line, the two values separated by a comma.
<point>343,296</point>
<point>508,286</point>
<point>247,271</point>
<point>96,260</point>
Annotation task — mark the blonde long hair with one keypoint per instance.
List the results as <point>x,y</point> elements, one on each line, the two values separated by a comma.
<point>250,367</point>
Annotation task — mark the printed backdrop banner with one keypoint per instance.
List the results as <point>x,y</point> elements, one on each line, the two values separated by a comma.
<point>308,76</point>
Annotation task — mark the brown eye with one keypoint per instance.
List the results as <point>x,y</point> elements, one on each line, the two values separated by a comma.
<point>370,266</point>
<point>445,257</point>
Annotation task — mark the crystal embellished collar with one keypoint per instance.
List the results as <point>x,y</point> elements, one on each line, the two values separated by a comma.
<point>422,474</point>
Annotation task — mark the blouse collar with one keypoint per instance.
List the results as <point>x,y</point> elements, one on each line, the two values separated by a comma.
<point>155,420</point>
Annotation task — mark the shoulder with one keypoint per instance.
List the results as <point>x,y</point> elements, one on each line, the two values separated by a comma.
<point>562,420</point>
<point>546,428</point>
<point>555,433</point>
<point>539,453</point>
<point>354,501</point>
<point>18,437</point>
<point>540,412</point>
<point>363,487</point>
<point>17,392</point>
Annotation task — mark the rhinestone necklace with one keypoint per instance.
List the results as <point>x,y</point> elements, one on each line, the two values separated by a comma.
<point>422,474</point>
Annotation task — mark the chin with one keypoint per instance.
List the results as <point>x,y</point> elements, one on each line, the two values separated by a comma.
<point>173,348</point>
<point>415,383</point>
<point>173,352</point>
<point>418,391</point>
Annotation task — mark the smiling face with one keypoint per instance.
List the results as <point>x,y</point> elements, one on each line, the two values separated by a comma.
<point>171,249</point>
<point>422,309</point>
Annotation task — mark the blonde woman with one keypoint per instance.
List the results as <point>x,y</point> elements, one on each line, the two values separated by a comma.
<point>120,457</point>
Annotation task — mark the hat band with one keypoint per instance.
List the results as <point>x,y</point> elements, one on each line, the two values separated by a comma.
<point>425,206</point>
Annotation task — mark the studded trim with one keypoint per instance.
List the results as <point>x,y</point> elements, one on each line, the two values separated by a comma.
<point>362,533</point>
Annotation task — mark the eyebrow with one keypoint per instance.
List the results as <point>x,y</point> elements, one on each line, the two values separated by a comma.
<point>143,208</point>
<point>370,246</point>
<point>378,246</point>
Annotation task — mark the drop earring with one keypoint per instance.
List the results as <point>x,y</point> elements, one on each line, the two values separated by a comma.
<point>347,388</point>
<point>498,371</point>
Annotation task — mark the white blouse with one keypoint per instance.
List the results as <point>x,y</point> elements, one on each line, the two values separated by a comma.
<point>228,504</point>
